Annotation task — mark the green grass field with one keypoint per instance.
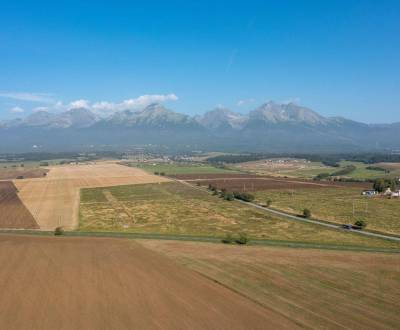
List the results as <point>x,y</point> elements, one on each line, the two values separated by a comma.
<point>176,209</point>
<point>336,204</point>
<point>175,168</point>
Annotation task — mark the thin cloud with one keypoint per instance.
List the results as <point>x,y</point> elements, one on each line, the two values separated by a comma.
<point>17,110</point>
<point>30,97</point>
<point>231,60</point>
<point>291,100</point>
<point>244,102</point>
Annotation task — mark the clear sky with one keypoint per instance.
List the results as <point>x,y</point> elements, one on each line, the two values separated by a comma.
<point>336,57</point>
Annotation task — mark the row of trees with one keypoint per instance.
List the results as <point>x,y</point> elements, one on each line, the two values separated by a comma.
<point>230,196</point>
<point>380,185</point>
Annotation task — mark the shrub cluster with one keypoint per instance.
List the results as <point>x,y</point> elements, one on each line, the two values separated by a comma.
<point>240,239</point>
<point>244,196</point>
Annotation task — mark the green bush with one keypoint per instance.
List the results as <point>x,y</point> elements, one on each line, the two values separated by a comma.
<point>361,223</point>
<point>228,239</point>
<point>306,213</point>
<point>244,196</point>
<point>59,231</point>
<point>269,202</point>
<point>243,239</point>
<point>229,197</point>
<point>156,173</point>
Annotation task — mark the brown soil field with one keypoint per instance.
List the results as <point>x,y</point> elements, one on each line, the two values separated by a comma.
<point>27,173</point>
<point>100,283</point>
<point>388,166</point>
<point>54,200</point>
<point>13,213</point>
<point>205,176</point>
<point>317,289</point>
<point>257,183</point>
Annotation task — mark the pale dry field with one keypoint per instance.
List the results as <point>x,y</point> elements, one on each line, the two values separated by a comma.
<point>102,283</point>
<point>54,200</point>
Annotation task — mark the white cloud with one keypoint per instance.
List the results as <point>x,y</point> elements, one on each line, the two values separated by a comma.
<point>241,103</point>
<point>17,110</point>
<point>79,104</point>
<point>105,107</point>
<point>30,97</point>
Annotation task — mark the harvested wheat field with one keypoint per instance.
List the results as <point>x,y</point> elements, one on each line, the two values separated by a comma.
<point>100,283</point>
<point>317,289</point>
<point>13,213</point>
<point>54,200</point>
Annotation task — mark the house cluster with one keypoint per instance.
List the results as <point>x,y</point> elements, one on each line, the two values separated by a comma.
<point>388,192</point>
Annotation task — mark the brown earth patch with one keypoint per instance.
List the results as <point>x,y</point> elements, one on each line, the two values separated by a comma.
<point>100,283</point>
<point>22,173</point>
<point>13,213</point>
<point>317,289</point>
<point>251,183</point>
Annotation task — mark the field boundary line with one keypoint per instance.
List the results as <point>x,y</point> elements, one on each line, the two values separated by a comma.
<point>202,239</point>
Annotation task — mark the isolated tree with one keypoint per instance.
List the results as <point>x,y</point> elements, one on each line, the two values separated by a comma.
<point>361,223</point>
<point>242,239</point>
<point>269,202</point>
<point>228,239</point>
<point>306,213</point>
<point>59,231</point>
<point>229,197</point>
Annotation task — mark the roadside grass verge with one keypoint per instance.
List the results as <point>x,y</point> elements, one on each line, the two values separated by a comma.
<point>336,205</point>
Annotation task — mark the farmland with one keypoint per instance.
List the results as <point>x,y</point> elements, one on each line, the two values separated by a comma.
<point>13,213</point>
<point>180,168</point>
<point>92,283</point>
<point>54,200</point>
<point>11,173</point>
<point>315,289</point>
<point>255,183</point>
<point>336,205</point>
<point>300,168</point>
<point>177,209</point>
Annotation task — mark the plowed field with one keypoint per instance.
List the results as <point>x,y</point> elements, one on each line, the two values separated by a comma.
<point>99,283</point>
<point>13,213</point>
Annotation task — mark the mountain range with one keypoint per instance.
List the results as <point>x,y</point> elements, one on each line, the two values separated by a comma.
<point>270,127</point>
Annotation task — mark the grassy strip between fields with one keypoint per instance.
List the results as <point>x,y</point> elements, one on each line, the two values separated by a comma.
<point>277,243</point>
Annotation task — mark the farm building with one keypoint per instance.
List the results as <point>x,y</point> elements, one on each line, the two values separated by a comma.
<point>395,193</point>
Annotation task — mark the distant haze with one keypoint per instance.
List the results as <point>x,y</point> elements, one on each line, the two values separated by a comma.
<point>270,127</point>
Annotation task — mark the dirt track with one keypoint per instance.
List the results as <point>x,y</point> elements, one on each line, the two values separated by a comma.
<point>54,200</point>
<point>99,283</point>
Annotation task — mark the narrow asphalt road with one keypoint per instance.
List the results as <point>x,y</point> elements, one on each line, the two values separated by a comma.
<point>296,218</point>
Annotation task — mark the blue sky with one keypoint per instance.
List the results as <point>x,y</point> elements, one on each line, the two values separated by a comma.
<point>336,57</point>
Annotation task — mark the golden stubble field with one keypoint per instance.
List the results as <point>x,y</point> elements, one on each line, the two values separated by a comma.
<point>54,200</point>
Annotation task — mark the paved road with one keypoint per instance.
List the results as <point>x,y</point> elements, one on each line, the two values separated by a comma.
<point>296,218</point>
